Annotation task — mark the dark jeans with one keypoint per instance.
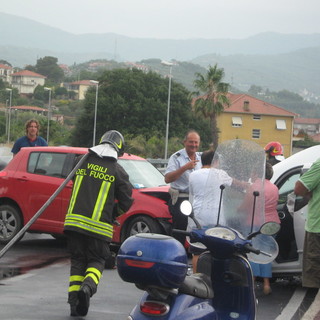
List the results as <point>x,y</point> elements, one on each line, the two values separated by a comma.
<point>179,220</point>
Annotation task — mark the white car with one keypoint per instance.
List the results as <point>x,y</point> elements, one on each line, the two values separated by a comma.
<point>292,212</point>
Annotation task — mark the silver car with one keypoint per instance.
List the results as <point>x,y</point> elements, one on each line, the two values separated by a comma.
<point>292,212</point>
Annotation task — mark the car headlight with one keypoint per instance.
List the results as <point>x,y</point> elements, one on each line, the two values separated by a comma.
<point>221,233</point>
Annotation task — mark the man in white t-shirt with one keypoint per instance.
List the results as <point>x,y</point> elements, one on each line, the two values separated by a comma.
<point>198,189</point>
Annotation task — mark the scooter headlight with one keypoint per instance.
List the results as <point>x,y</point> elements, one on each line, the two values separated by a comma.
<point>221,233</point>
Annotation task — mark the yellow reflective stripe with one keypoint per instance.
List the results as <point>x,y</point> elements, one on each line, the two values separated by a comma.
<point>94,274</point>
<point>106,233</point>
<point>76,278</point>
<point>86,220</point>
<point>74,288</point>
<point>94,270</point>
<point>101,200</point>
<point>76,188</point>
<point>86,223</point>
<point>76,218</point>
<point>93,277</point>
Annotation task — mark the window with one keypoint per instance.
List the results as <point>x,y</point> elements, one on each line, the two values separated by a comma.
<point>47,163</point>
<point>256,117</point>
<point>281,124</point>
<point>287,187</point>
<point>236,121</point>
<point>256,133</point>
<point>142,174</point>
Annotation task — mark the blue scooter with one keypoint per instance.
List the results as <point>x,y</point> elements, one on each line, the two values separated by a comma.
<point>223,287</point>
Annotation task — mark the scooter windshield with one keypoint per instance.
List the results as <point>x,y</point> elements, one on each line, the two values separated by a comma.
<point>234,192</point>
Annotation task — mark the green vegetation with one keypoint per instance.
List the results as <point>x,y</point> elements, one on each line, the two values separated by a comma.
<point>211,99</point>
<point>135,103</point>
<point>48,66</point>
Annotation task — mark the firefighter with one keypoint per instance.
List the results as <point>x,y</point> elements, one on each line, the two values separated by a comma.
<point>274,152</point>
<point>98,183</point>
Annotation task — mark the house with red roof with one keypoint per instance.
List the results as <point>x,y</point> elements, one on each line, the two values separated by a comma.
<point>34,109</point>
<point>26,81</point>
<point>309,126</point>
<point>253,119</point>
<point>80,87</point>
<point>5,72</point>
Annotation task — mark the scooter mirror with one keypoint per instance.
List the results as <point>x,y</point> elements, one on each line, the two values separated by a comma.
<point>270,228</point>
<point>186,207</point>
<point>268,247</point>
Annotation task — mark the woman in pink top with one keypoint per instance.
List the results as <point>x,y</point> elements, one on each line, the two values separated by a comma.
<point>271,195</point>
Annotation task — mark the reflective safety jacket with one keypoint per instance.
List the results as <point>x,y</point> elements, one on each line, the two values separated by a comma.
<point>97,183</point>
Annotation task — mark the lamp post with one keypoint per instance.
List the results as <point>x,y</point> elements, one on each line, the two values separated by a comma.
<point>95,112</point>
<point>7,101</point>
<point>167,64</point>
<point>49,109</point>
<point>9,113</point>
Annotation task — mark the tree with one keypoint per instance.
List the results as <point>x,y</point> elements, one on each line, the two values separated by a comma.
<point>213,99</point>
<point>135,103</point>
<point>5,62</point>
<point>48,66</point>
<point>255,90</point>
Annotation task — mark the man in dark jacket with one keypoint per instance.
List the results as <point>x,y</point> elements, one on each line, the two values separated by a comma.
<point>98,183</point>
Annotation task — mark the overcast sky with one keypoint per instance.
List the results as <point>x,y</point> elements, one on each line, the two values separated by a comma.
<point>172,19</point>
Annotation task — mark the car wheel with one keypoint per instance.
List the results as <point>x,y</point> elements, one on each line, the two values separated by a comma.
<point>10,223</point>
<point>143,224</point>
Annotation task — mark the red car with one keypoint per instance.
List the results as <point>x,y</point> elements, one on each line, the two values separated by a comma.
<point>34,174</point>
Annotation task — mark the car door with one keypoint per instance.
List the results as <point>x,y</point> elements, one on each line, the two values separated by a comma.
<point>42,177</point>
<point>292,217</point>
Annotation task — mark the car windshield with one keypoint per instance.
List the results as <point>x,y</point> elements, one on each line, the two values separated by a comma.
<point>142,174</point>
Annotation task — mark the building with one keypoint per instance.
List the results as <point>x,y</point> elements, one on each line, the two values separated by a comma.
<point>34,109</point>
<point>5,72</point>
<point>310,126</point>
<point>253,119</point>
<point>26,81</point>
<point>80,87</point>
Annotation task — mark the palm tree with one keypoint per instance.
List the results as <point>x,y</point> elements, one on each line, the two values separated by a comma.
<point>211,98</point>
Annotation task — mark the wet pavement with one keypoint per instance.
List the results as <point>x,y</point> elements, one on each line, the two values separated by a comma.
<point>42,294</point>
<point>34,285</point>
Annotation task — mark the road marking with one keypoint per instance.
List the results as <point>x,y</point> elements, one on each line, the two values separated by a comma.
<point>313,311</point>
<point>293,305</point>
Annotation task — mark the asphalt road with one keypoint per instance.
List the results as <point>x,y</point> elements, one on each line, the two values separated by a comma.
<point>34,285</point>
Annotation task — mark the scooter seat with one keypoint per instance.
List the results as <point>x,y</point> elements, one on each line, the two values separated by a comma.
<point>197,285</point>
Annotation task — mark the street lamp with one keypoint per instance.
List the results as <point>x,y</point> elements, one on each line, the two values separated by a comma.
<point>49,109</point>
<point>9,113</point>
<point>95,112</point>
<point>167,64</point>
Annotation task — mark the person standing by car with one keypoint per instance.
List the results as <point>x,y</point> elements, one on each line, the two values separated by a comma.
<point>197,186</point>
<point>180,165</point>
<point>271,196</point>
<point>274,152</point>
<point>98,182</point>
<point>308,186</point>
<point>31,139</point>
<point>200,185</point>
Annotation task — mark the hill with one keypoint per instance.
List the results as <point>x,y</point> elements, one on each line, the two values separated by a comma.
<point>270,60</point>
<point>296,71</point>
<point>26,33</point>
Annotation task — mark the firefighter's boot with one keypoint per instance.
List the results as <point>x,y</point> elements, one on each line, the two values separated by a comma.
<point>84,295</point>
